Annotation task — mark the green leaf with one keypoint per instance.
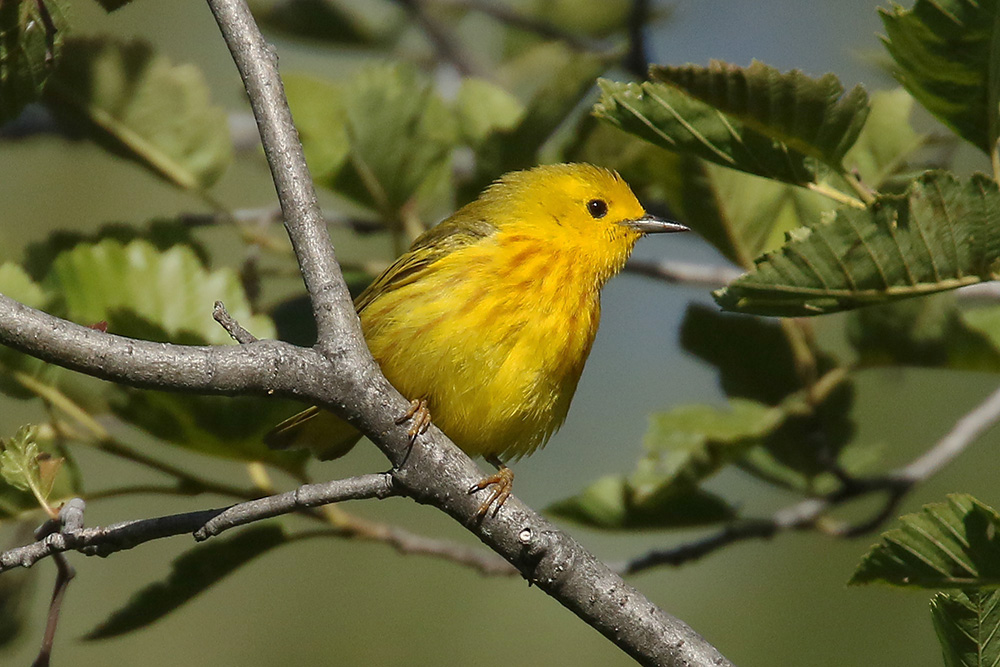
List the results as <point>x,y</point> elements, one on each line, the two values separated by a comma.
<point>930,332</point>
<point>162,234</point>
<point>27,467</point>
<point>690,443</point>
<point>887,141</point>
<point>399,135</point>
<point>967,625</point>
<point>135,104</point>
<point>755,120</point>
<point>940,235</point>
<point>16,284</point>
<point>31,42</point>
<point>128,284</point>
<point>192,573</point>
<point>684,447</point>
<point>954,544</point>
<point>319,117</point>
<point>947,55</point>
<point>813,117</point>
<point>754,356</point>
<point>145,293</point>
<point>483,108</point>
<point>812,431</point>
<point>19,459</point>
<point>613,503</point>
<point>228,427</point>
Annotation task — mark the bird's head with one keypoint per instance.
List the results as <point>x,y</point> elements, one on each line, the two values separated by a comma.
<point>588,210</point>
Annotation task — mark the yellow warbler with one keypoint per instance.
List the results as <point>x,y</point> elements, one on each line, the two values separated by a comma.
<point>487,320</point>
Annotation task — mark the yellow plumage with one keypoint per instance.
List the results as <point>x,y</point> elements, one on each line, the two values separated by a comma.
<point>490,316</point>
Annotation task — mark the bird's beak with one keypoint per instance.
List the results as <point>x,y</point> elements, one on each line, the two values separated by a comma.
<point>650,224</point>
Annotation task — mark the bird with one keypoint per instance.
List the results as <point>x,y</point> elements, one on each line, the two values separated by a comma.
<point>485,323</point>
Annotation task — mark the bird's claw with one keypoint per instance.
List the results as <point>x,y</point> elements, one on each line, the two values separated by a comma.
<point>500,484</point>
<point>420,417</point>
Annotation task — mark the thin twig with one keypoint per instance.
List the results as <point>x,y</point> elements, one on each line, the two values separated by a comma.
<point>447,47</point>
<point>811,513</point>
<point>308,495</point>
<point>636,61</point>
<point>232,327</point>
<point>175,489</point>
<point>866,194</point>
<point>189,481</point>
<point>989,291</point>
<point>103,541</point>
<point>405,542</point>
<point>64,574</point>
<point>965,431</point>
<point>70,517</point>
<point>204,523</point>
<point>687,273</point>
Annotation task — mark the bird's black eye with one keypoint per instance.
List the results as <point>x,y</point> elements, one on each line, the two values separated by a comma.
<point>598,208</point>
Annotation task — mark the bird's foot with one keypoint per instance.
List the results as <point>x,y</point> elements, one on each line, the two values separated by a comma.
<point>499,483</point>
<point>419,416</point>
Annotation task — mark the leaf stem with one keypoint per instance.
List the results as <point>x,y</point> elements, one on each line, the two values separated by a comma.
<point>802,351</point>
<point>995,160</point>
<point>56,398</point>
<point>840,197</point>
<point>866,194</point>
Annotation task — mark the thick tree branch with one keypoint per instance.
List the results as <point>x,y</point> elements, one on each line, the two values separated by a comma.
<point>261,368</point>
<point>812,513</point>
<point>257,64</point>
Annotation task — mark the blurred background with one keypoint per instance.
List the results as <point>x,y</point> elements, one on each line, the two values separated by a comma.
<point>338,602</point>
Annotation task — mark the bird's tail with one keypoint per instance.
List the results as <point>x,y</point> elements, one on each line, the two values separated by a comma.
<point>325,434</point>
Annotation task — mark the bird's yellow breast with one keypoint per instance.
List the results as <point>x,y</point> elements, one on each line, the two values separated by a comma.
<point>494,336</point>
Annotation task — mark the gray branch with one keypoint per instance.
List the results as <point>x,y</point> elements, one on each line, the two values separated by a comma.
<point>687,273</point>
<point>808,514</point>
<point>68,534</point>
<point>339,373</point>
<point>308,495</point>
